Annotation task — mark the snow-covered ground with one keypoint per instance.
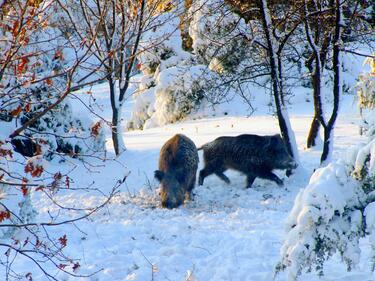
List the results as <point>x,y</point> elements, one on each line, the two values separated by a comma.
<point>227,232</point>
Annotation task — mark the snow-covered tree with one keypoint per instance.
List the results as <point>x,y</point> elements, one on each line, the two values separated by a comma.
<point>173,84</point>
<point>326,219</point>
<point>37,75</point>
<point>221,39</point>
<point>115,27</point>
<point>272,39</point>
<point>366,98</point>
<point>36,78</point>
<point>333,212</point>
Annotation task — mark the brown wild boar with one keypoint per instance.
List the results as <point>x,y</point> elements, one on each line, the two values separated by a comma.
<point>178,164</point>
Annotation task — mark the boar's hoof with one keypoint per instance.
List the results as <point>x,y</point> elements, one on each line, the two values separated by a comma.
<point>280,183</point>
<point>289,172</point>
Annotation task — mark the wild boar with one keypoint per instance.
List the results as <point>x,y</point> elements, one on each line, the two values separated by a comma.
<point>253,155</point>
<point>178,164</point>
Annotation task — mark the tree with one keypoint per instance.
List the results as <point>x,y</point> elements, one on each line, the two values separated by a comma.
<point>274,45</point>
<point>274,53</point>
<point>337,86</point>
<point>333,212</point>
<point>319,42</point>
<point>36,79</point>
<point>325,55</point>
<point>121,25</point>
<point>366,98</point>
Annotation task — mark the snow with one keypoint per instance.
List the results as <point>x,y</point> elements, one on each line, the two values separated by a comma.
<point>227,232</point>
<point>370,215</point>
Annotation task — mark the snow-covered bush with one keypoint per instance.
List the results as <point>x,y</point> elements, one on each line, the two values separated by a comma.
<point>331,214</point>
<point>172,85</point>
<point>337,207</point>
<point>364,167</point>
<point>177,94</point>
<point>366,98</point>
<point>220,37</point>
<point>366,87</point>
<point>162,45</point>
<point>66,133</point>
<point>325,219</point>
<point>22,98</point>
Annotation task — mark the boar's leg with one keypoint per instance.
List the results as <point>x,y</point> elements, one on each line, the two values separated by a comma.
<point>189,194</point>
<point>202,174</point>
<point>223,177</point>
<point>289,172</point>
<point>192,183</point>
<point>249,180</point>
<point>271,176</point>
<point>220,173</point>
<point>206,171</point>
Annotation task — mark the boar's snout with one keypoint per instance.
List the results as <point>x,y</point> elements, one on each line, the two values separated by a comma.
<point>171,200</point>
<point>289,164</point>
<point>172,193</point>
<point>169,204</point>
<point>294,165</point>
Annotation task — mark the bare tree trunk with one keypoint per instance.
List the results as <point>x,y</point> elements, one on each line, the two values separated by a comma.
<point>313,132</point>
<point>315,123</point>
<point>318,118</point>
<point>115,117</point>
<point>319,42</point>
<point>315,67</point>
<point>328,132</point>
<point>126,68</point>
<point>275,74</point>
<point>318,57</point>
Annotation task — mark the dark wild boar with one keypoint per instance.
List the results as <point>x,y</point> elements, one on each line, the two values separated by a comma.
<point>178,163</point>
<point>253,155</point>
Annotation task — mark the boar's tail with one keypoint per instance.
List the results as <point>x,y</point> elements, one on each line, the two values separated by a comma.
<point>207,145</point>
<point>202,147</point>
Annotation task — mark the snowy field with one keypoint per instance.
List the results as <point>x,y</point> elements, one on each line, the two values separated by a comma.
<point>227,232</point>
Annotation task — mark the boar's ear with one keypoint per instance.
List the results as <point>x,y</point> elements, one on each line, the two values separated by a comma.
<point>159,175</point>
